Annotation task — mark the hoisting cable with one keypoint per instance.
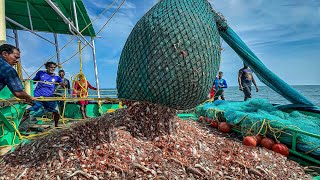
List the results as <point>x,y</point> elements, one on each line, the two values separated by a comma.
<point>97,33</point>
<point>73,37</point>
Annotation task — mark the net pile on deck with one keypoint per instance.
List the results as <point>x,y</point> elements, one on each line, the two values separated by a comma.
<point>258,116</point>
<point>103,148</point>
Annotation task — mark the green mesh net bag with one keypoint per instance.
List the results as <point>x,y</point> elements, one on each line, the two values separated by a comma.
<point>171,56</point>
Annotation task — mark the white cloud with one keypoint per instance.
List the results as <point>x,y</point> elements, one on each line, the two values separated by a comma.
<point>99,3</point>
<point>110,61</point>
<point>103,4</point>
<point>128,5</point>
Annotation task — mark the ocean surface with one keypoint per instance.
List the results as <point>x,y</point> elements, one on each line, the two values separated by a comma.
<point>312,92</point>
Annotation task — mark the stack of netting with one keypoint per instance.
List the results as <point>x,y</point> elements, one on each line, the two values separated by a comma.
<point>171,56</point>
<point>258,116</point>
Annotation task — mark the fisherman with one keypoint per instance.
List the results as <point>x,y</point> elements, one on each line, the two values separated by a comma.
<point>61,91</point>
<point>47,80</point>
<point>220,85</point>
<point>80,89</point>
<point>9,56</point>
<point>245,79</point>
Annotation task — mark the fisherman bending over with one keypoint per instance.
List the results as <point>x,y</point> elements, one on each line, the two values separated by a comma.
<point>9,56</point>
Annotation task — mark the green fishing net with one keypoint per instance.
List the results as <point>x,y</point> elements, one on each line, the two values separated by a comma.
<point>171,56</point>
<point>258,116</point>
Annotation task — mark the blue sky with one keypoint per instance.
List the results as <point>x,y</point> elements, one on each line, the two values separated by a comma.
<point>284,35</point>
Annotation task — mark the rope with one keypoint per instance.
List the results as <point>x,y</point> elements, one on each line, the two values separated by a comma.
<point>111,17</point>
<point>274,131</point>
<point>12,123</point>
<point>260,129</point>
<point>19,70</point>
<point>12,105</point>
<point>25,71</point>
<point>46,82</point>
<point>312,150</point>
<point>64,106</point>
<point>80,55</point>
<point>108,7</point>
<point>214,111</point>
<point>83,90</point>
<point>97,33</point>
<point>15,129</point>
<point>53,56</point>
<point>73,37</point>
<point>16,132</point>
<point>82,83</point>
<point>43,134</point>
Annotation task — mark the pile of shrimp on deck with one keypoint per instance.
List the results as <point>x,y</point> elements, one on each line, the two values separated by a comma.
<point>120,145</point>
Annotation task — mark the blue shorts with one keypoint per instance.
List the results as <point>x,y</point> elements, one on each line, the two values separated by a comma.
<point>49,106</point>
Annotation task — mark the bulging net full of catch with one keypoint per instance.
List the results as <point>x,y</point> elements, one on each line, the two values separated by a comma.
<point>171,56</point>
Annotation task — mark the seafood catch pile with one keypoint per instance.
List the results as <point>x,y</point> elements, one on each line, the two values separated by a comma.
<point>103,148</point>
<point>147,120</point>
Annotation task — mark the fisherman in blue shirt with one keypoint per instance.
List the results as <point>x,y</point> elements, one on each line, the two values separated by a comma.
<point>47,80</point>
<point>220,84</point>
<point>9,56</point>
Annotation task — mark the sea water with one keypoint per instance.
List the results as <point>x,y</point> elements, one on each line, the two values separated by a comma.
<point>312,92</point>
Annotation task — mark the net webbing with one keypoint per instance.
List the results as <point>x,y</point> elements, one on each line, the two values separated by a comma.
<point>171,56</point>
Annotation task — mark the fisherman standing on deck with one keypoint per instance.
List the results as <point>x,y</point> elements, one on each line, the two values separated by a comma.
<point>220,85</point>
<point>245,79</point>
<point>9,56</point>
<point>80,89</point>
<point>45,88</point>
<point>61,91</point>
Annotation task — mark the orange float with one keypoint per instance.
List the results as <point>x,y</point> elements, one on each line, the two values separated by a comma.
<point>225,127</point>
